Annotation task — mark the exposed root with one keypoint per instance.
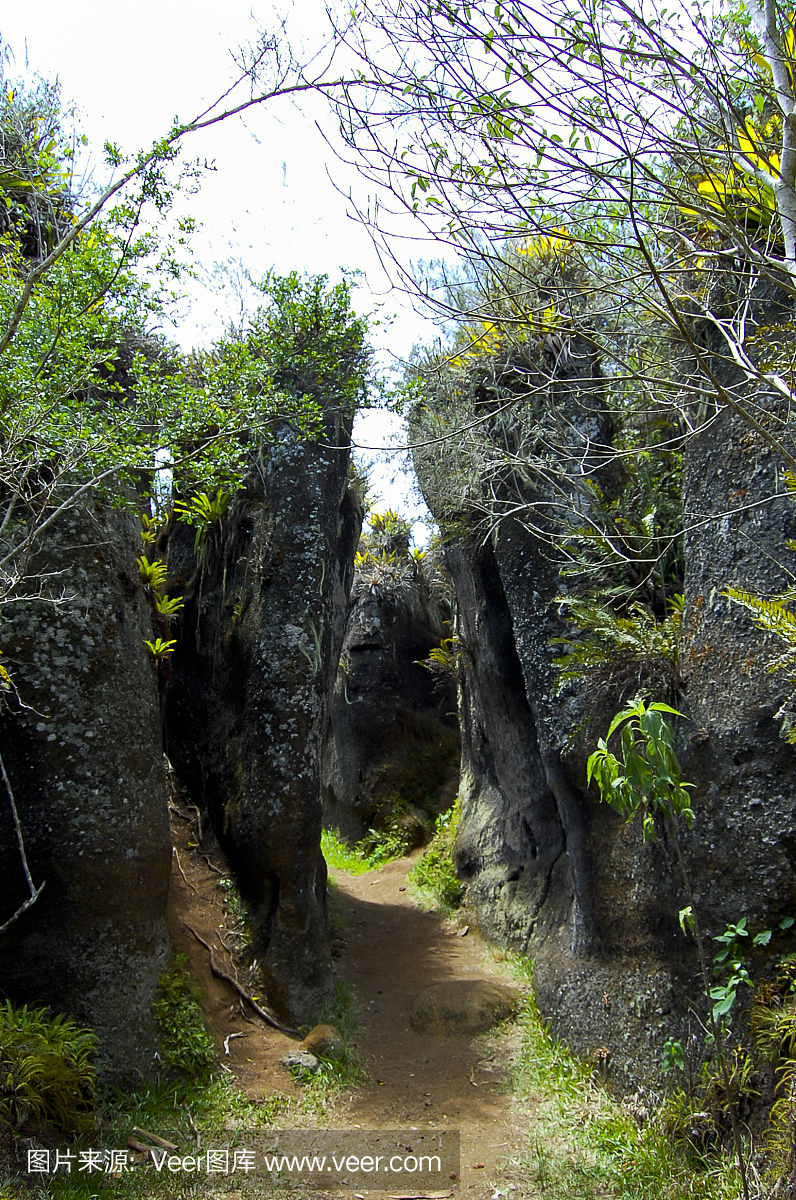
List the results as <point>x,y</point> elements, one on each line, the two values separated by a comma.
<point>233,983</point>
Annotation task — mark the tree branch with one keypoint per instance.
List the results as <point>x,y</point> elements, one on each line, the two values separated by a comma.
<point>34,891</point>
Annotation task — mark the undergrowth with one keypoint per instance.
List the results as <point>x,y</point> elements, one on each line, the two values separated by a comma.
<point>373,851</point>
<point>46,1070</point>
<point>224,1116</point>
<point>586,1145</point>
<point>189,1096</point>
<point>186,1048</point>
<point>433,878</point>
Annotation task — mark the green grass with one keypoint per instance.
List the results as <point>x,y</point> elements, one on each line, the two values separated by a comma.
<point>333,1076</point>
<point>374,851</point>
<point>51,1058</point>
<point>217,1108</point>
<point>585,1145</point>
<point>433,879</point>
<point>189,1084</point>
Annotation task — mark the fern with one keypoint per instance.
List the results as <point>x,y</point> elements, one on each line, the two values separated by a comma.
<point>445,661</point>
<point>46,1072</point>
<point>607,640</point>
<point>774,616</point>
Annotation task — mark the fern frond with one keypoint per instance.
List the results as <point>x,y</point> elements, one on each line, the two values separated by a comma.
<point>772,616</point>
<point>45,1068</point>
<point>606,637</point>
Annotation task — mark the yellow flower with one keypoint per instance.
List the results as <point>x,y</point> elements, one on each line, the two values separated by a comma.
<point>546,245</point>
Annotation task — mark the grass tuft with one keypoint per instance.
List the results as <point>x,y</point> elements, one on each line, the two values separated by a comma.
<point>586,1145</point>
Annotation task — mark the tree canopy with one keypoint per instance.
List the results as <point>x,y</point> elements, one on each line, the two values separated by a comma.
<point>618,182</point>
<point>92,396</point>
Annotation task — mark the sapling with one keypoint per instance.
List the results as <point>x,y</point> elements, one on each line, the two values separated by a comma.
<point>646,779</point>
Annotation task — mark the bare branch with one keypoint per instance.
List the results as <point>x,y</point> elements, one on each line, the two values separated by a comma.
<point>35,892</point>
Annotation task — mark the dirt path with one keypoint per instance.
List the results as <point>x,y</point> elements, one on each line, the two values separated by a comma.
<point>392,951</point>
<point>389,950</point>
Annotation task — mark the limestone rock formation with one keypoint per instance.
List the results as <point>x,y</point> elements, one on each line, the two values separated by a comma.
<point>84,756</point>
<point>552,871</point>
<point>744,856</point>
<point>510,847</point>
<point>393,751</point>
<point>247,708</point>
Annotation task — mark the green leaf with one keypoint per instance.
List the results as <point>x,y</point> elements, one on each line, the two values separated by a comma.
<point>673,1056</point>
<point>725,999</point>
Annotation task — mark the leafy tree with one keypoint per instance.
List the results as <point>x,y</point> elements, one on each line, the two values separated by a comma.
<point>606,172</point>
<point>91,398</point>
<point>87,392</point>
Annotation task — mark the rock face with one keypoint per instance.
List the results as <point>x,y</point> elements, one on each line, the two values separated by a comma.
<point>743,854</point>
<point>510,844</point>
<point>393,751</point>
<point>247,708</point>
<point>84,758</point>
<point>551,871</point>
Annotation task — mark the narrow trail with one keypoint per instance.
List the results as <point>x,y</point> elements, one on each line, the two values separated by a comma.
<point>388,950</point>
<point>392,950</point>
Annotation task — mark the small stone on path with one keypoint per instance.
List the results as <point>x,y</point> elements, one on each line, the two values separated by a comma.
<point>300,1058</point>
<point>325,1040</point>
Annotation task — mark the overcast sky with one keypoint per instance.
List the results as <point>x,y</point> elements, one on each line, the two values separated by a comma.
<point>270,201</point>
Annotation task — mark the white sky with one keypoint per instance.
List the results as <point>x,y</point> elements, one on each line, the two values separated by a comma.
<point>270,202</point>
